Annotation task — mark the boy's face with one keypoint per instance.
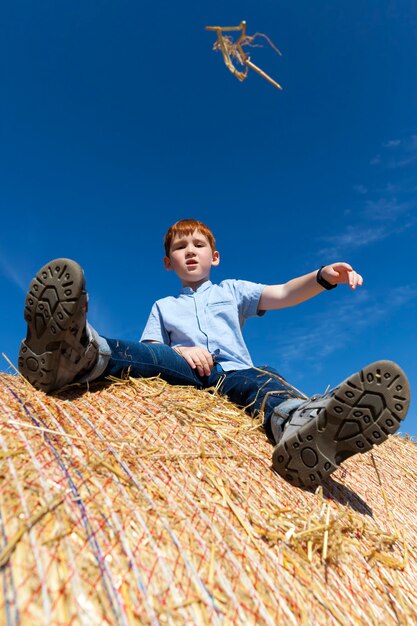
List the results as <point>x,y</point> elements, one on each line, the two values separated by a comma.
<point>191,258</point>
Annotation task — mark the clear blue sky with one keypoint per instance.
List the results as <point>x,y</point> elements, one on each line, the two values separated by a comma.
<point>117,119</point>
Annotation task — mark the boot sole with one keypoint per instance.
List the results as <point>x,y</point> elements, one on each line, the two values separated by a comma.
<point>366,408</point>
<point>54,312</point>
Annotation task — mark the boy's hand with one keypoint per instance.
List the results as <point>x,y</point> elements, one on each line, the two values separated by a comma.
<point>197,358</point>
<point>338,273</point>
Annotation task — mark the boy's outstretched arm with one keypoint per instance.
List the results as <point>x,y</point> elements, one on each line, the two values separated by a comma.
<point>305,287</point>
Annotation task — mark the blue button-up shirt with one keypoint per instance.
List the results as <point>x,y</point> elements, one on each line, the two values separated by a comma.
<point>211,317</point>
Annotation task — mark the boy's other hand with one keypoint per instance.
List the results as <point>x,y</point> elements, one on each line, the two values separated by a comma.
<point>338,273</point>
<point>197,358</point>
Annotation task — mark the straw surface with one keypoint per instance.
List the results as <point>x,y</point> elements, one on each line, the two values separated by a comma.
<point>143,503</point>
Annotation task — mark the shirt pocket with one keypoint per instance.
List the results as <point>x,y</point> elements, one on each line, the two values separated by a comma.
<point>222,311</point>
<point>220,304</point>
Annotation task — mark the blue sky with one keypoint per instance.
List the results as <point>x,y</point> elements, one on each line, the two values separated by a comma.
<point>117,119</point>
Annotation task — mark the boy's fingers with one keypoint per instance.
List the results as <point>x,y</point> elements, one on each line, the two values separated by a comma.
<point>338,273</point>
<point>342,266</point>
<point>197,358</point>
<point>345,273</point>
<point>207,362</point>
<point>355,279</point>
<point>203,361</point>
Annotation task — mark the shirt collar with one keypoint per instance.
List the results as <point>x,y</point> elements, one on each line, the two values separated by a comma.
<point>189,291</point>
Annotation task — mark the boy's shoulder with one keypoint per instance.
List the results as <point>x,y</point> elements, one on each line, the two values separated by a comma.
<point>237,284</point>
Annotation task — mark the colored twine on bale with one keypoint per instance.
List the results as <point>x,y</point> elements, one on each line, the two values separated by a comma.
<point>141,502</point>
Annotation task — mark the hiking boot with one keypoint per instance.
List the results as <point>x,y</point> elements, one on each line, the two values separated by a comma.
<point>58,348</point>
<point>326,430</point>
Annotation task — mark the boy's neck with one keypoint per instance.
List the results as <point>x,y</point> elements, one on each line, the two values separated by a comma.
<point>195,285</point>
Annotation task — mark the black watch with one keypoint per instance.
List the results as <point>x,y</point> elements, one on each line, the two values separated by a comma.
<point>322,281</point>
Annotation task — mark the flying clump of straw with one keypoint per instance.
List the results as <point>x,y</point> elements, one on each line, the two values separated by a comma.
<point>233,53</point>
<point>140,502</point>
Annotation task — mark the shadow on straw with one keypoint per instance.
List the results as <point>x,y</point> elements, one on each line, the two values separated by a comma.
<point>332,490</point>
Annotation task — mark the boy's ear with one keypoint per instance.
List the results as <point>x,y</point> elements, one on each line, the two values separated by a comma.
<point>167,263</point>
<point>216,258</point>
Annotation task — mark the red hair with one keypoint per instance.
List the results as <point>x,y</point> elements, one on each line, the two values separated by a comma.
<point>187,227</point>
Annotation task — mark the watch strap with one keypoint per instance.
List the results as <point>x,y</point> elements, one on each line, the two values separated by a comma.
<point>322,281</point>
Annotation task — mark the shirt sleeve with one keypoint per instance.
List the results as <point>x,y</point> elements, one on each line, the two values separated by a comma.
<point>248,295</point>
<point>154,329</point>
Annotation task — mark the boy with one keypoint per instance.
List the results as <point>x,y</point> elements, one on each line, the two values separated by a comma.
<point>196,339</point>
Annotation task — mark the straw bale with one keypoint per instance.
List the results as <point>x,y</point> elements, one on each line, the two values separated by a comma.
<point>137,502</point>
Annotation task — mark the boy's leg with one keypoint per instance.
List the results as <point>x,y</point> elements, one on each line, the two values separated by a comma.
<point>261,391</point>
<point>326,430</point>
<point>313,436</point>
<point>61,347</point>
<point>145,360</point>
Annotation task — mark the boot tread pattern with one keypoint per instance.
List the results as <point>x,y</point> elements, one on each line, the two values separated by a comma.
<point>55,313</point>
<point>362,412</point>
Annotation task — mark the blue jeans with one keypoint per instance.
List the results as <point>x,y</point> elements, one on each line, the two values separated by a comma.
<point>255,389</point>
